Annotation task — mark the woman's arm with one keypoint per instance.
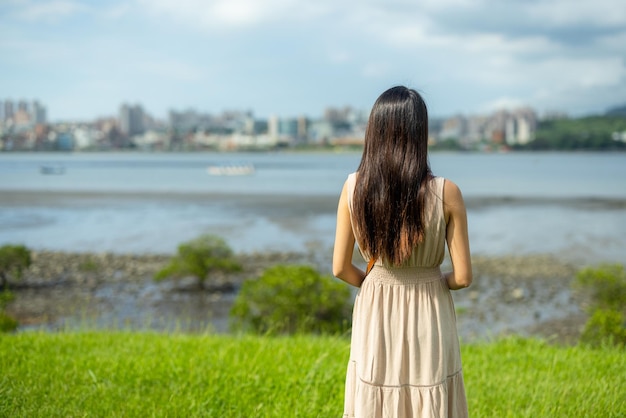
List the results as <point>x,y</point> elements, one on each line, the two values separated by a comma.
<point>457,237</point>
<point>344,245</point>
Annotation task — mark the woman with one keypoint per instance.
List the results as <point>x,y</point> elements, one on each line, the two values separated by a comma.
<point>404,358</point>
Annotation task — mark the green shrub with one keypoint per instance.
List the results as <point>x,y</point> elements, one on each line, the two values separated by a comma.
<point>14,259</point>
<point>606,326</point>
<point>290,299</point>
<point>605,286</point>
<point>199,258</point>
<point>6,296</point>
<point>7,322</point>
<point>89,266</point>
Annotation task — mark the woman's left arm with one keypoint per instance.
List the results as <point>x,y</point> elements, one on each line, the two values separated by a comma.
<point>343,268</point>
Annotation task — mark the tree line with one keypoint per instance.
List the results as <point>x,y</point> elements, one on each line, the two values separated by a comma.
<point>597,133</point>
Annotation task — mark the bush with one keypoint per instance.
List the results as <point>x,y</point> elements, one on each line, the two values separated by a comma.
<point>7,322</point>
<point>290,299</point>
<point>606,289</point>
<point>14,259</point>
<point>607,284</point>
<point>200,257</point>
<point>605,326</point>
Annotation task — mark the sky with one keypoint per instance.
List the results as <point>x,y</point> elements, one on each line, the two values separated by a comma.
<point>83,59</point>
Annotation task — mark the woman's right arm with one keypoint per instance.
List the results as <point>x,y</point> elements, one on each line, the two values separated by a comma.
<point>457,237</point>
<point>343,268</point>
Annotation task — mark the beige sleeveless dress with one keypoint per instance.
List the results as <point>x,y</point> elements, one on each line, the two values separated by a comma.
<point>404,356</point>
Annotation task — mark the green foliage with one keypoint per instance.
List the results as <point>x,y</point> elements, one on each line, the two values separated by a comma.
<point>447,144</point>
<point>606,326</point>
<point>588,133</point>
<point>6,296</point>
<point>89,266</point>
<point>14,259</point>
<point>606,288</point>
<point>290,299</point>
<point>7,322</point>
<point>606,285</point>
<point>199,258</point>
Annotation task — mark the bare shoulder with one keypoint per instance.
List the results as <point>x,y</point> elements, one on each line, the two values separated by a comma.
<point>452,198</point>
<point>451,192</point>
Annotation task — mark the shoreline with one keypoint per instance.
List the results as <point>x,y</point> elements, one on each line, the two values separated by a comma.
<point>320,202</point>
<point>523,295</point>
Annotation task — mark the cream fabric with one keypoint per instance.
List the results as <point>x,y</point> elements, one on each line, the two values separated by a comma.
<point>405,359</point>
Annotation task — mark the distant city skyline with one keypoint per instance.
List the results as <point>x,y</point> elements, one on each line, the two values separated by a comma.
<point>290,57</point>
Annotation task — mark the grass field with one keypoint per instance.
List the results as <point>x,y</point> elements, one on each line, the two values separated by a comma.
<point>125,374</point>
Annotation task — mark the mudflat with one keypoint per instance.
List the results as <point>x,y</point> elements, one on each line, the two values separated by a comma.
<point>524,295</point>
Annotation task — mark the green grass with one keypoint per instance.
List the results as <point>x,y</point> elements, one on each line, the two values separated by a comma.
<point>125,374</point>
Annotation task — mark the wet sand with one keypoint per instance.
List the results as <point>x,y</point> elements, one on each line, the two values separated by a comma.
<point>313,203</point>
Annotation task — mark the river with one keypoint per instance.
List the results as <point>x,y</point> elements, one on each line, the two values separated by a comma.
<point>571,205</point>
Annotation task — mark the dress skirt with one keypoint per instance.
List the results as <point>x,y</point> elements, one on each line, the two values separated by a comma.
<point>405,359</point>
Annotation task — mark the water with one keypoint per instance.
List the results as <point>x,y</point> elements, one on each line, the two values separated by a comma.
<point>571,205</point>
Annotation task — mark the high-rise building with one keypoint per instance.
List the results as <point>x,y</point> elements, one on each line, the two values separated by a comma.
<point>303,128</point>
<point>9,110</point>
<point>131,120</point>
<point>273,126</point>
<point>22,105</point>
<point>288,128</point>
<point>38,113</point>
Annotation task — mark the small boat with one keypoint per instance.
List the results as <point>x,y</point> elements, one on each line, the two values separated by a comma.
<point>52,169</point>
<point>231,170</point>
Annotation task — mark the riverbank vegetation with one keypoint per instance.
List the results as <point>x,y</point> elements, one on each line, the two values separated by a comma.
<point>597,133</point>
<point>134,374</point>
<point>292,299</point>
<point>14,260</point>
<point>201,258</point>
<point>605,289</point>
<point>589,133</point>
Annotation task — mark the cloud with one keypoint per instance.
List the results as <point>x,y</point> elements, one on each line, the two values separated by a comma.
<point>50,11</point>
<point>466,53</point>
<point>171,70</point>
<point>232,14</point>
<point>35,52</point>
<point>601,13</point>
<point>375,69</point>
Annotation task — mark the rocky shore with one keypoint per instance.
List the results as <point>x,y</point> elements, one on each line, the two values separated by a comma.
<point>526,295</point>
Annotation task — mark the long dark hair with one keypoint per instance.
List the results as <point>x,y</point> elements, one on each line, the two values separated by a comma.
<point>389,198</point>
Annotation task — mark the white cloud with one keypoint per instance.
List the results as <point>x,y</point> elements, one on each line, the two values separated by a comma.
<point>115,11</point>
<point>375,69</point>
<point>170,70</point>
<point>579,12</point>
<point>35,52</point>
<point>339,57</point>
<point>554,52</point>
<point>46,11</point>
<point>233,14</point>
<point>564,73</point>
<point>507,103</point>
